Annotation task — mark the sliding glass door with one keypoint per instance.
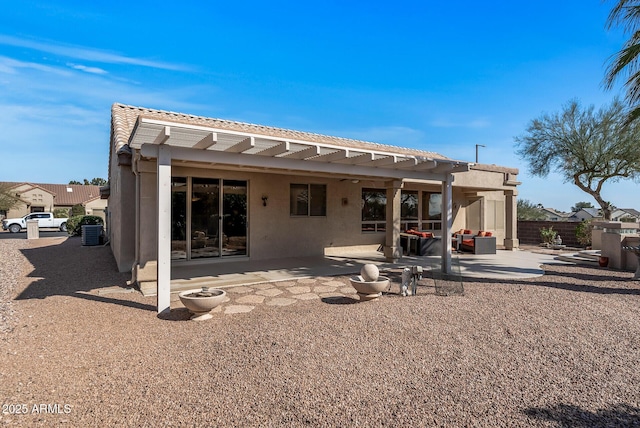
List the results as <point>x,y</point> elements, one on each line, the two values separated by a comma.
<point>178,218</point>
<point>205,217</point>
<point>212,221</point>
<point>234,225</point>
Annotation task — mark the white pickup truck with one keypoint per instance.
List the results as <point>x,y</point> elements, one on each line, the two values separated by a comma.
<point>15,225</point>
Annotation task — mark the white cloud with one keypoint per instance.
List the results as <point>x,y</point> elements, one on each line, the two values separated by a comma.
<point>11,66</point>
<point>87,54</point>
<point>86,69</point>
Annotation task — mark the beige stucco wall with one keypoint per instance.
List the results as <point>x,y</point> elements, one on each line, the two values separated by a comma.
<point>121,214</point>
<point>272,232</point>
<point>96,207</point>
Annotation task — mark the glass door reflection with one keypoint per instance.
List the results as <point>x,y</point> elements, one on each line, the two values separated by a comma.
<point>205,218</point>
<point>234,224</point>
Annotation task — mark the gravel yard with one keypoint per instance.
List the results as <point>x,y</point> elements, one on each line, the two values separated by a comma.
<point>559,350</point>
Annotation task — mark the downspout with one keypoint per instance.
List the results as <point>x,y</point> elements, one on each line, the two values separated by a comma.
<point>136,261</point>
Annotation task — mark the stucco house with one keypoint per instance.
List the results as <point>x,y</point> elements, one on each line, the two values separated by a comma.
<point>554,215</point>
<point>585,214</point>
<point>625,214</point>
<point>190,190</point>
<point>44,197</point>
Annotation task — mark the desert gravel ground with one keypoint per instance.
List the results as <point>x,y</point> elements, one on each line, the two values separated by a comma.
<point>559,350</point>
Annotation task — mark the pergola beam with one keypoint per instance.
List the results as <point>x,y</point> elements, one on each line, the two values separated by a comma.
<point>332,157</point>
<point>242,146</point>
<point>209,140</point>
<point>380,160</point>
<point>358,158</point>
<point>276,150</point>
<point>163,135</point>
<point>307,153</point>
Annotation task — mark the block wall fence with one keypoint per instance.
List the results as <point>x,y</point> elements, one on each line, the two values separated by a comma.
<point>529,231</point>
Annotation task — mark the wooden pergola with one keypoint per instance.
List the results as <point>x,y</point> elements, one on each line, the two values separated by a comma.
<point>173,143</point>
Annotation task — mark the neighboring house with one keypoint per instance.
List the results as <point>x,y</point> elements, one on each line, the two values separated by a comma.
<point>553,215</point>
<point>41,197</point>
<point>185,188</point>
<point>585,214</point>
<point>629,214</point>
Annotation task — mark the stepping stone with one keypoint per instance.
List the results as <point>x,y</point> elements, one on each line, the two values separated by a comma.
<point>239,290</point>
<point>334,283</point>
<point>324,289</point>
<point>307,280</point>
<point>238,309</point>
<point>306,296</point>
<point>281,301</point>
<point>284,284</point>
<point>299,289</point>
<point>262,286</point>
<point>252,299</point>
<point>348,290</point>
<point>272,292</point>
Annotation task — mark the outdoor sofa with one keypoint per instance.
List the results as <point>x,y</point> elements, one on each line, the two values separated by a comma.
<point>482,243</point>
<point>420,243</point>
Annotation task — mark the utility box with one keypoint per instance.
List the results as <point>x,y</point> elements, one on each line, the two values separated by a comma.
<point>91,234</point>
<point>33,231</point>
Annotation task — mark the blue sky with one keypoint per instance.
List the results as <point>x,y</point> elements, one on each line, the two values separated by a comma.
<point>437,76</point>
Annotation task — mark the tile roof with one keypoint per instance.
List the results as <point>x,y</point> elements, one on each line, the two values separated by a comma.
<point>79,194</point>
<point>124,118</point>
<point>631,211</point>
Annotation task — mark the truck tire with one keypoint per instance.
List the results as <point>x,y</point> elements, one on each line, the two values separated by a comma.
<point>15,228</point>
<point>63,227</point>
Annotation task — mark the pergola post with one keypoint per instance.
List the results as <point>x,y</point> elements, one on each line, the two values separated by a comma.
<point>164,228</point>
<point>447,222</point>
<point>392,247</point>
<point>511,241</point>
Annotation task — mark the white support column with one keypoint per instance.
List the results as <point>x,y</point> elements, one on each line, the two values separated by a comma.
<point>164,229</point>
<point>392,248</point>
<point>447,222</point>
<point>511,241</point>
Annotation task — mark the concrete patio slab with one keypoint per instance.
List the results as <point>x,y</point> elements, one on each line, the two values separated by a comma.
<point>502,265</point>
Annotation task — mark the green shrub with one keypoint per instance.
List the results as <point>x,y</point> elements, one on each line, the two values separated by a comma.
<point>61,213</point>
<point>548,235</point>
<point>74,224</point>
<point>583,232</point>
<point>77,210</point>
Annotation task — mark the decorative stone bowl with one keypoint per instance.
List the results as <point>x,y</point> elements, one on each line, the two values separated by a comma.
<point>369,272</point>
<point>200,302</point>
<point>369,284</point>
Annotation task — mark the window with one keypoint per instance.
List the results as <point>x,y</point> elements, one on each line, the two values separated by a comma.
<point>308,200</point>
<point>409,210</point>
<point>431,211</point>
<point>374,210</point>
<point>495,215</point>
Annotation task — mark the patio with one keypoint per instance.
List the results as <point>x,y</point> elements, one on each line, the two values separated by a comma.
<point>503,265</point>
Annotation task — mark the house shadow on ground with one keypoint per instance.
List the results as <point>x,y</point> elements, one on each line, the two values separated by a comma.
<point>67,268</point>
<point>567,415</point>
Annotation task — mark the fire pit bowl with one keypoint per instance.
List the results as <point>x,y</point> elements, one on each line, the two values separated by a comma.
<point>200,302</point>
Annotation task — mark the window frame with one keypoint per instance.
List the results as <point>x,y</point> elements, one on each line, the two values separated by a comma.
<point>312,196</point>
